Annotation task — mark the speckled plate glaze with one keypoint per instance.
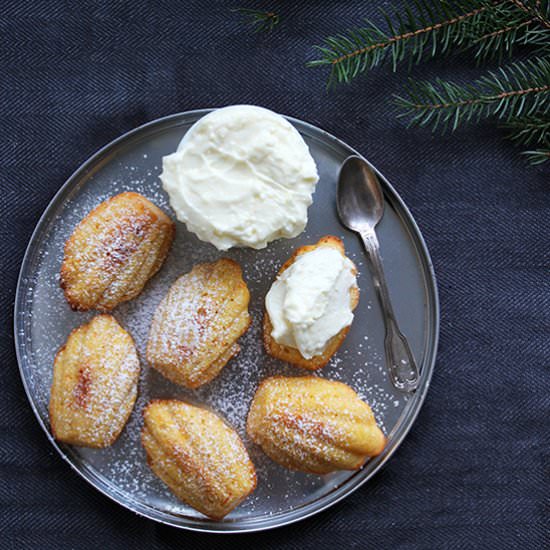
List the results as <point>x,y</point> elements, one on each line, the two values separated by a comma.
<point>43,321</point>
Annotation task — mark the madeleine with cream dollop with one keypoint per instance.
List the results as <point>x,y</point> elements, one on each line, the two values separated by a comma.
<point>309,307</point>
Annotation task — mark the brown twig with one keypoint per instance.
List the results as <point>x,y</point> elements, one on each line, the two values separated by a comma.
<point>505,29</point>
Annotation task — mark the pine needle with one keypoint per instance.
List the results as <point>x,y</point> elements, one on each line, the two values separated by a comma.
<point>538,156</point>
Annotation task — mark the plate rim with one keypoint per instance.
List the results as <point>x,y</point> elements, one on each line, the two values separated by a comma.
<point>292,515</point>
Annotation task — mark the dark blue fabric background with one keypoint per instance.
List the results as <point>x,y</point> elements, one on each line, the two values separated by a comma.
<point>474,471</point>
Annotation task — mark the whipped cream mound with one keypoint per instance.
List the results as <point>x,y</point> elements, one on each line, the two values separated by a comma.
<point>310,302</point>
<point>242,176</point>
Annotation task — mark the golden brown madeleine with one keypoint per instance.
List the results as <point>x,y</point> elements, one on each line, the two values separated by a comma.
<point>94,385</point>
<point>290,354</point>
<point>114,251</point>
<point>313,425</point>
<point>196,326</point>
<point>201,459</point>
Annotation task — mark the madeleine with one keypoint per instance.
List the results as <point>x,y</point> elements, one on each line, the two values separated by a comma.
<point>114,251</point>
<point>196,326</point>
<point>94,385</point>
<point>201,459</point>
<point>313,425</point>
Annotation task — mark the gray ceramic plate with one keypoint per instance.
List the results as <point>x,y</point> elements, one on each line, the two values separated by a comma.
<point>43,321</point>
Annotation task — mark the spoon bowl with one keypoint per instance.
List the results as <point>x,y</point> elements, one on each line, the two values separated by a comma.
<point>360,199</point>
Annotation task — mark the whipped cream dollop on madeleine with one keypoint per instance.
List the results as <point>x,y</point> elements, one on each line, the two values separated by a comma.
<point>114,251</point>
<point>313,425</point>
<point>241,176</point>
<point>309,307</point>
<point>94,387</point>
<point>201,459</point>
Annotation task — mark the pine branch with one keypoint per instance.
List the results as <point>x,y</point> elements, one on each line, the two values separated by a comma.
<point>522,89</point>
<point>491,28</point>
<point>433,29</point>
<point>260,20</point>
<point>517,96</point>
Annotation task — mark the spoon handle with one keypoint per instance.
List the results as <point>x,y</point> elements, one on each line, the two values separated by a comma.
<point>400,361</point>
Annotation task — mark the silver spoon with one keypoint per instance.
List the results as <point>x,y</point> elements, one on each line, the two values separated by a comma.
<point>360,206</point>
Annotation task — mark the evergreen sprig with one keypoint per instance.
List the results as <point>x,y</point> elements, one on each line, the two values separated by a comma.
<point>517,95</point>
<point>424,29</point>
<point>515,92</point>
<point>427,28</point>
